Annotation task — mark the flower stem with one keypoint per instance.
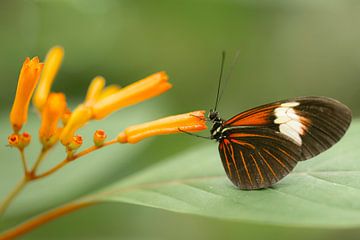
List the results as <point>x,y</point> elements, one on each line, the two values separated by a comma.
<point>39,160</point>
<point>44,218</point>
<point>72,158</point>
<point>5,204</point>
<point>24,163</point>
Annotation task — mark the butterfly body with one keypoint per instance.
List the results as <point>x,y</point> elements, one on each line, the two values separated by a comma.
<point>260,146</point>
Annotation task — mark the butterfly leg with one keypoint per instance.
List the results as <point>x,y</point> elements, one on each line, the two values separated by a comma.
<point>195,135</point>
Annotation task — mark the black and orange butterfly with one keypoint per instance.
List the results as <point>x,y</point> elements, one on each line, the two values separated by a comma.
<point>262,145</point>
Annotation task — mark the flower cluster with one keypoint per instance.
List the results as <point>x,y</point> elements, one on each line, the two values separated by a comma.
<point>59,123</point>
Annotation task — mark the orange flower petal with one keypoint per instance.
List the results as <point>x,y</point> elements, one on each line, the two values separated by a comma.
<point>188,122</point>
<point>52,64</point>
<point>79,117</point>
<point>109,90</point>
<point>139,91</point>
<point>28,78</point>
<point>52,112</point>
<point>94,90</point>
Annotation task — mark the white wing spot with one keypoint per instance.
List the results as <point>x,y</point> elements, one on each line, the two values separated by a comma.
<point>290,104</point>
<point>289,121</point>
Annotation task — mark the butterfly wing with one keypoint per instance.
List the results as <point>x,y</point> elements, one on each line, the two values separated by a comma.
<point>256,157</point>
<point>262,145</point>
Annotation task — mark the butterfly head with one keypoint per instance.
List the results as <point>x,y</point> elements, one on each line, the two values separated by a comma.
<point>214,116</point>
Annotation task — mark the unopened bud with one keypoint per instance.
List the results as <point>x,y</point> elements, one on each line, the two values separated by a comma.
<point>25,140</point>
<point>99,137</point>
<point>14,140</point>
<point>75,143</point>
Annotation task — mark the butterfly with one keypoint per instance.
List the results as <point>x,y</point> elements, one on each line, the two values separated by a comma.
<point>262,145</point>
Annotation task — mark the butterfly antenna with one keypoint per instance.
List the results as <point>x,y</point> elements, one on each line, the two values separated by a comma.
<point>232,67</point>
<point>220,79</point>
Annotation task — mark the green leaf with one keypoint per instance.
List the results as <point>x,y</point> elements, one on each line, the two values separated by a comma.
<point>321,192</point>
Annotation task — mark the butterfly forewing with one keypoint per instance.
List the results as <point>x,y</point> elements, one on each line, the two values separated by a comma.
<point>262,145</point>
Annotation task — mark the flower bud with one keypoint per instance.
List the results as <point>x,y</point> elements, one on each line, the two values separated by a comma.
<point>75,143</point>
<point>187,122</point>
<point>14,140</point>
<point>51,67</point>
<point>99,137</point>
<point>25,139</point>
<point>28,78</point>
<point>139,91</point>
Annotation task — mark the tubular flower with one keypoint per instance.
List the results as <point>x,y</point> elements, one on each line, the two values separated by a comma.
<point>65,117</point>
<point>188,122</point>
<point>109,90</point>
<point>52,64</point>
<point>52,112</point>
<point>139,91</point>
<point>94,90</point>
<point>29,76</point>
<point>79,117</point>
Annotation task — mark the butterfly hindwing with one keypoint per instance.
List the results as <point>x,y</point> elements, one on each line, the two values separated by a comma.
<point>262,145</point>
<point>256,158</point>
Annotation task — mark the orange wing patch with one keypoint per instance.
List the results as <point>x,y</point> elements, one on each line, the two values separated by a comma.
<point>253,117</point>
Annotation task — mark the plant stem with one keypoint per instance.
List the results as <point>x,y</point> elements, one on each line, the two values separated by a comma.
<point>31,176</point>
<point>39,160</point>
<point>44,218</point>
<point>52,170</point>
<point>24,163</point>
<point>74,157</point>
<point>5,204</point>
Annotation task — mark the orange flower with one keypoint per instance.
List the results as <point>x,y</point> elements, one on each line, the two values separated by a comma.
<point>139,91</point>
<point>188,122</point>
<point>79,117</point>
<point>52,64</point>
<point>94,90</point>
<point>29,76</point>
<point>109,90</point>
<point>66,116</point>
<point>53,110</point>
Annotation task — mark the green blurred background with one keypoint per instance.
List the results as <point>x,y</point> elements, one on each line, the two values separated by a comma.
<point>288,48</point>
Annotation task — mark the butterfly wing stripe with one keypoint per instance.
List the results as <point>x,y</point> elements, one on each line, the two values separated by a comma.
<point>251,135</point>
<point>277,159</point>
<point>287,154</point>
<point>246,169</point>
<point>258,169</point>
<point>245,144</point>
<point>223,150</point>
<point>233,159</point>
<point>267,164</point>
